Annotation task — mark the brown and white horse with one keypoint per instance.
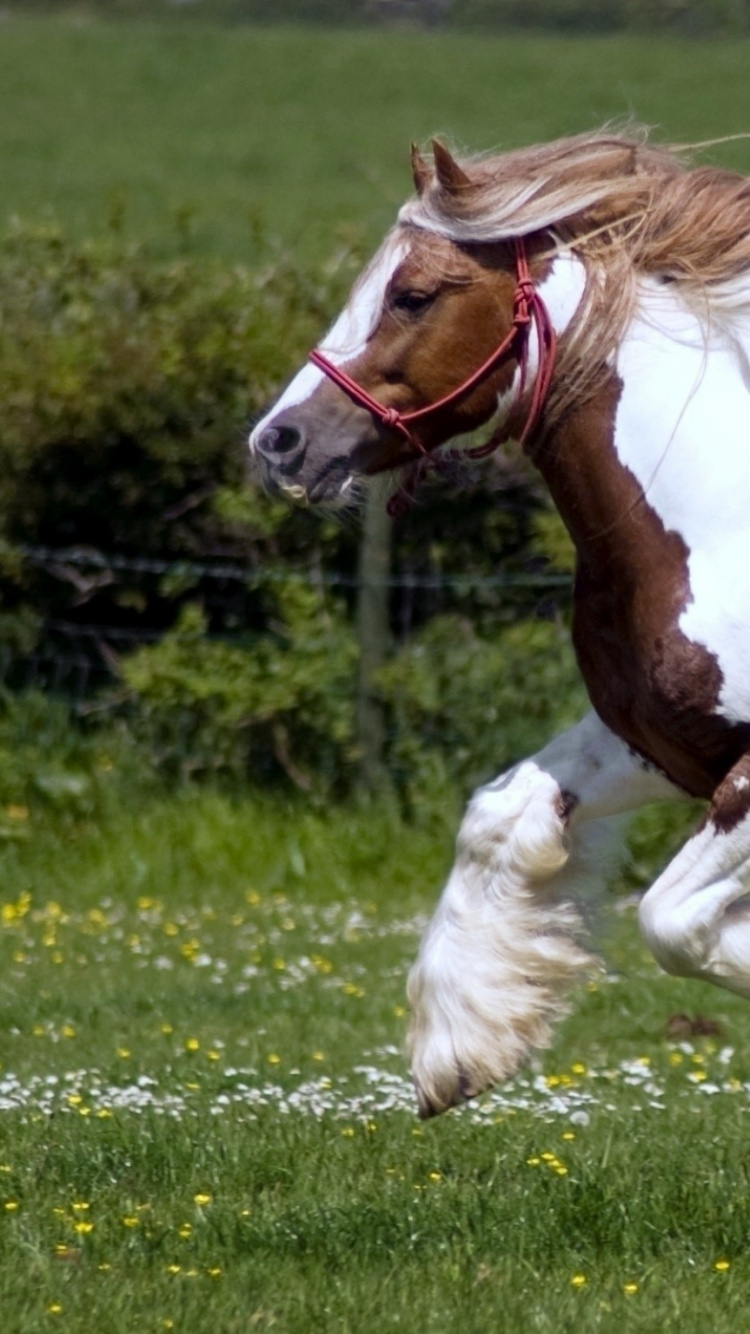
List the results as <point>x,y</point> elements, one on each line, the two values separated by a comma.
<point>591,297</point>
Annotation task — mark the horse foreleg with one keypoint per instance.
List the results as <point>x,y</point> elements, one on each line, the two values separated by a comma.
<point>506,942</point>
<point>696,917</point>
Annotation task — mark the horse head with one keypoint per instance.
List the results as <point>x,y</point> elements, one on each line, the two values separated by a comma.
<point>431,346</point>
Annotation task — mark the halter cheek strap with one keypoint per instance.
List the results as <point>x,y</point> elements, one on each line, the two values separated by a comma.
<point>528,309</point>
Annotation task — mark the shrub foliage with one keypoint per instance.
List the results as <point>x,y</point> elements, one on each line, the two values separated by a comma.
<point>126,387</point>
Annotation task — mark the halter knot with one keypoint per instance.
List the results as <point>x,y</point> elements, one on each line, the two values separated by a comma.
<point>391,417</point>
<point>524,296</point>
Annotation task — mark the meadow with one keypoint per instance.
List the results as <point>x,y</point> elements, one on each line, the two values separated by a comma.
<point>206,1122</point>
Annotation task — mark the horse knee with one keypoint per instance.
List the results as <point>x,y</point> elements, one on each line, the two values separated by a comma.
<point>674,937</point>
<point>517,825</point>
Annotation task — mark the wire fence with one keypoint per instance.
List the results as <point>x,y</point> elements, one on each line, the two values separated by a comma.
<point>254,575</point>
<point>75,656</point>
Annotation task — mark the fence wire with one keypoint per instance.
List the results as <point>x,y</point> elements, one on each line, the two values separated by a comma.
<point>253,575</point>
<point>75,658</point>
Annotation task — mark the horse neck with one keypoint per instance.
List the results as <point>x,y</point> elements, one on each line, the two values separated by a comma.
<point>589,496</point>
<point>577,464</point>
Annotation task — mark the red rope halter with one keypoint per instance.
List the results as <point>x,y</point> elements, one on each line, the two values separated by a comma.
<point>528,308</point>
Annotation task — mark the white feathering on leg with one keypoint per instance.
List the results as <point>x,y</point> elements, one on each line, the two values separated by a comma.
<point>506,942</point>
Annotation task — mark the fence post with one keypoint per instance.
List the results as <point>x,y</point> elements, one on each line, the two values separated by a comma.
<point>373,636</point>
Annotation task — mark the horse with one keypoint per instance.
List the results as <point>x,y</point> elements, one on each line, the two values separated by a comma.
<point>591,298</point>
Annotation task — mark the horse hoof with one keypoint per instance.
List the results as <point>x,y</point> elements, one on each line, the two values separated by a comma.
<point>461,1091</point>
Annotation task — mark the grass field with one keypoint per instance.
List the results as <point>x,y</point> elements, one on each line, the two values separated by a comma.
<point>206,1122</point>
<point>308,132</point>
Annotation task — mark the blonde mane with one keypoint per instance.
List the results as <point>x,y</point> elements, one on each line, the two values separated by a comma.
<point>629,209</point>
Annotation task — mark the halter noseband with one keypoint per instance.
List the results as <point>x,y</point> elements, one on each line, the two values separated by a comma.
<point>528,309</point>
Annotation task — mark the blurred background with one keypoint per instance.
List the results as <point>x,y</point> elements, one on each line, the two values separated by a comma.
<point>188,189</point>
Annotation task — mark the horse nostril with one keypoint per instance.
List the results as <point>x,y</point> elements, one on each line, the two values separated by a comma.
<point>279,440</point>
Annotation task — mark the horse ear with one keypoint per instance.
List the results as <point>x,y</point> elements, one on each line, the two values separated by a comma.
<point>452,177</point>
<point>419,170</point>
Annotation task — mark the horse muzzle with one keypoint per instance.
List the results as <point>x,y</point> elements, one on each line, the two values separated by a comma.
<point>295,471</point>
<point>281,452</point>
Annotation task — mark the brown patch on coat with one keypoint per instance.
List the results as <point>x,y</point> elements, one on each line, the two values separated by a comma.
<point>731,800</point>
<point>648,682</point>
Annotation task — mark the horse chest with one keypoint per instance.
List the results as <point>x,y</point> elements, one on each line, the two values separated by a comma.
<point>652,685</point>
<point>654,491</point>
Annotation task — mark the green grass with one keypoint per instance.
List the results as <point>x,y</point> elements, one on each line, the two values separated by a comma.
<point>202,1014</point>
<point>308,131</point>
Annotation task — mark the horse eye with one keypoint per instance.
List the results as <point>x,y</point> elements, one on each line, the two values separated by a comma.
<point>412,302</point>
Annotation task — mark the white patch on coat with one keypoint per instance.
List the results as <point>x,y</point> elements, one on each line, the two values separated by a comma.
<point>683,430</point>
<point>562,293</point>
<point>349,336</point>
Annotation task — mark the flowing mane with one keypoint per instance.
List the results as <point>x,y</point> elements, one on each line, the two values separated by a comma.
<point>630,209</point>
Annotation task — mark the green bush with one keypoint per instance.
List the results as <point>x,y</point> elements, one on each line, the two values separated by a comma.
<point>127,385</point>
<point>467,706</point>
<point>278,706</point>
<point>461,707</point>
<point>50,763</point>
